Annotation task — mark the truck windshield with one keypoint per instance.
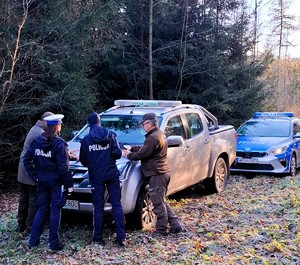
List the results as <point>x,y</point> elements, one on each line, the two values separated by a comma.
<point>266,128</point>
<point>127,128</point>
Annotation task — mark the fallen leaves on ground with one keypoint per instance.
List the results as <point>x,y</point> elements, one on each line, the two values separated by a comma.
<point>254,221</point>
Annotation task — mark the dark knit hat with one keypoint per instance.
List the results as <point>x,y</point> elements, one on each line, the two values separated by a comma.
<point>93,119</point>
<point>149,117</point>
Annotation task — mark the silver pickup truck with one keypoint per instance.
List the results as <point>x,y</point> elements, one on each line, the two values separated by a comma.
<point>199,149</point>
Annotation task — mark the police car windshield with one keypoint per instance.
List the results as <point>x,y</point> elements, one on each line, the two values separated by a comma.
<point>127,128</point>
<point>266,128</point>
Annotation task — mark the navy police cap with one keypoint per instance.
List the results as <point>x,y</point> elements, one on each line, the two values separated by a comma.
<point>54,119</point>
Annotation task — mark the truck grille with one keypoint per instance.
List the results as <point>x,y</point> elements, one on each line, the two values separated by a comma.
<point>82,197</point>
<point>253,166</point>
<point>250,154</point>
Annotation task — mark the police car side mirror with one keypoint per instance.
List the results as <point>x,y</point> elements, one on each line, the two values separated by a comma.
<point>297,135</point>
<point>174,141</point>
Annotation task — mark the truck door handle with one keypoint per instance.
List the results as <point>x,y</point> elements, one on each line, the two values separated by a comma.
<point>206,141</point>
<point>187,148</point>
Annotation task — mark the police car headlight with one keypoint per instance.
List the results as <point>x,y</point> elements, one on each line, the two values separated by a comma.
<point>278,150</point>
<point>122,167</point>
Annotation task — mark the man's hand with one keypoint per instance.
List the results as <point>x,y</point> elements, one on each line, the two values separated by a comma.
<point>125,153</point>
<point>74,155</point>
<point>127,147</point>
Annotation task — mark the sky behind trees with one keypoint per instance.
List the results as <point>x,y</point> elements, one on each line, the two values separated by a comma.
<point>265,25</point>
<point>295,7</point>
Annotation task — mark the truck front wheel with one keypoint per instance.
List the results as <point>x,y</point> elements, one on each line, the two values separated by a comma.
<point>143,216</point>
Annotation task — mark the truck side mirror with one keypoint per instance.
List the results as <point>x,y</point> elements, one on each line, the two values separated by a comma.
<point>297,135</point>
<point>73,133</point>
<point>174,141</point>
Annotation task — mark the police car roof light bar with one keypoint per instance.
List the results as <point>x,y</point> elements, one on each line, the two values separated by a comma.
<point>147,103</point>
<point>272,114</point>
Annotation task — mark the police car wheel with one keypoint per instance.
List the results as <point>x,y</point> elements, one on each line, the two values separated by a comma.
<point>293,170</point>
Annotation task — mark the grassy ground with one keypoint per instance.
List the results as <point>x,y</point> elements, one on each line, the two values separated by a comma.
<point>255,221</point>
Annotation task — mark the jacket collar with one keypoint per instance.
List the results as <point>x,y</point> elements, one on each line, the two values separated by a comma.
<point>41,124</point>
<point>151,131</point>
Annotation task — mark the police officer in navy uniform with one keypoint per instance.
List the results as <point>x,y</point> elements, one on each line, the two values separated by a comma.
<point>99,151</point>
<point>47,163</point>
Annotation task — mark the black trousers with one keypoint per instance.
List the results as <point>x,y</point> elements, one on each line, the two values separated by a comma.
<point>114,191</point>
<point>158,186</point>
<point>48,199</point>
<point>27,206</point>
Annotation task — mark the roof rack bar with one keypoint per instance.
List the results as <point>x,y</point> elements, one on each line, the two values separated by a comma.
<point>183,106</point>
<point>147,103</point>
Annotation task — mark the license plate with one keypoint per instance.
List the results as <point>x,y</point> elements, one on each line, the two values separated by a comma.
<point>247,160</point>
<point>72,205</point>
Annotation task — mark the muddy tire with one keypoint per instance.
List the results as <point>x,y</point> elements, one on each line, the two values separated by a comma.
<point>293,169</point>
<point>143,216</point>
<point>217,182</point>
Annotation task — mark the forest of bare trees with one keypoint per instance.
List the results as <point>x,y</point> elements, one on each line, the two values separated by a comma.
<point>274,25</point>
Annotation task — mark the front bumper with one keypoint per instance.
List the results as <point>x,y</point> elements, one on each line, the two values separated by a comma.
<point>267,164</point>
<point>81,201</point>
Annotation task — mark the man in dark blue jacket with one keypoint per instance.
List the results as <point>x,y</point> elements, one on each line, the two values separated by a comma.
<point>47,163</point>
<point>99,151</point>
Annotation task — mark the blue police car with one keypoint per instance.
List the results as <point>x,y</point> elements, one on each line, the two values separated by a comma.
<point>269,143</point>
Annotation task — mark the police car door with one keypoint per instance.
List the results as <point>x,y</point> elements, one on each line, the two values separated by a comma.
<point>296,145</point>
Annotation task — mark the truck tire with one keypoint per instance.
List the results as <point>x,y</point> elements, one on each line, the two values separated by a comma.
<point>217,182</point>
<point>143,216</point>
<point>293,169</point>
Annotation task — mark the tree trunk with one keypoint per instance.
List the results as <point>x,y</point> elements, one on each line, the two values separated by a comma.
<point>150,50</point>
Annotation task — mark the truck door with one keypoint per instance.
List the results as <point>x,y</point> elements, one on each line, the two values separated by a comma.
<point>179,158</point>
<point>199,144</point>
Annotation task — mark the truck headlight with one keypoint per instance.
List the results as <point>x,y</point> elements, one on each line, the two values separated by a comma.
<point>278,150</point>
